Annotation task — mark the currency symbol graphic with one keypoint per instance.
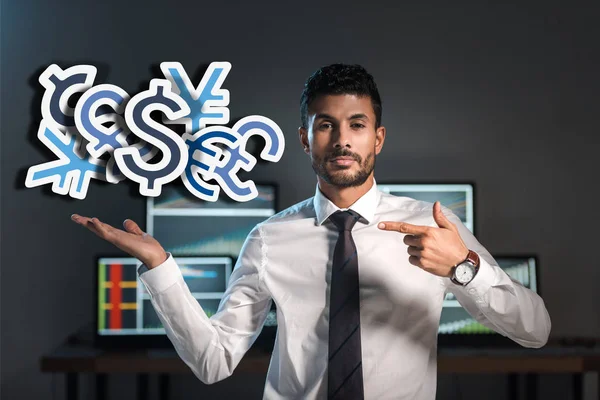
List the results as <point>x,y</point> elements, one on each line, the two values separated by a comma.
<point>91,125</point>
<point>151,177</point>
<point>71,173</point>
<point>226,174</point>
<point>204,156</point>
<point>208,102</point>
<point>104,120</point>
<point>208,161</point>
<point>146,150</point>
<point>102,138</point>
<point>60,86</point>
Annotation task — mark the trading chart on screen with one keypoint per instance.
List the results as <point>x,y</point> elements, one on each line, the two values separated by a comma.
<point>124,306</point>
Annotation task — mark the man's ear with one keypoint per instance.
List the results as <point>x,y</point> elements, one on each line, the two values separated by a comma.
<point>379,139</point>
<point>303,136</point>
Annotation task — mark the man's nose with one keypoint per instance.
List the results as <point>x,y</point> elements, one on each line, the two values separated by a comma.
<point>342,137</point>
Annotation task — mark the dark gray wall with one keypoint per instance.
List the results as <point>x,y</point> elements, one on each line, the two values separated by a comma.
<point>504,96</point>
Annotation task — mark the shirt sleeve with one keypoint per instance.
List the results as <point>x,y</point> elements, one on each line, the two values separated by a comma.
<point>496,300</point>
<point>212,347</point>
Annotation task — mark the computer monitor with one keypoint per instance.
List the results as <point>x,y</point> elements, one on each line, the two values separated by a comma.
<point>124,314</point>
<point>188,226</point>
<point>458,327</point>
<point>458,197</point>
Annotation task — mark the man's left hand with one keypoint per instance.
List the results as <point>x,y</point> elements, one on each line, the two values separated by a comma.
<point>436,250</point>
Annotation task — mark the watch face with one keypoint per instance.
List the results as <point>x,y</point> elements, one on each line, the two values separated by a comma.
<point>464,273</point>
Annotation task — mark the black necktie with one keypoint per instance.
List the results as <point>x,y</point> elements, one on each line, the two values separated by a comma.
<point>345,379</point>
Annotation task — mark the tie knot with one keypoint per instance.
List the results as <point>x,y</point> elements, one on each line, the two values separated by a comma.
<point>344,220</point>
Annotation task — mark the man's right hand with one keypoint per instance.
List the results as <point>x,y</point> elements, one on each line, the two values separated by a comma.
<point>132,240</point>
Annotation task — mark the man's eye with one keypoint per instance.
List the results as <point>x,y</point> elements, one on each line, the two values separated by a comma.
<point>357,125</point>
<point>325,126</point>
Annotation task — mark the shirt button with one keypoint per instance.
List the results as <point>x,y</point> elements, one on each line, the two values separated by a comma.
<point>471,290</point>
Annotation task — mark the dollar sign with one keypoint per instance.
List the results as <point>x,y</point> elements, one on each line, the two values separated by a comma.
<point>101,138</point>
<point>60,86</point>
<point>151,177</point>
<point>147,151</point>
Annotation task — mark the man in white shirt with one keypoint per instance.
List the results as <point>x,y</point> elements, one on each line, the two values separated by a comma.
<point>405,254</point>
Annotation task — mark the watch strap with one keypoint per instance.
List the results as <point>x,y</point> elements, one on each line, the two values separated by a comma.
<point>473,258</point>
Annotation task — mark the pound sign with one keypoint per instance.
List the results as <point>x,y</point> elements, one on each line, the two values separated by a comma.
<point>60,86</point>
<point>226,174</point>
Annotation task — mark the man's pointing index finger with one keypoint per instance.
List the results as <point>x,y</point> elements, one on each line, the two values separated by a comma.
<point>403,227</point>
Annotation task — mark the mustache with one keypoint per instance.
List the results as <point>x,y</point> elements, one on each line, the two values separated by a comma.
<point>343,153</point>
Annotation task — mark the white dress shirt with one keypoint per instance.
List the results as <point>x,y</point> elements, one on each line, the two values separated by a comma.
<point>287,259</point>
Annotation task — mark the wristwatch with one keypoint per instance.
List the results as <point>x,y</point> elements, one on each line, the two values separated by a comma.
<point>464,272</point>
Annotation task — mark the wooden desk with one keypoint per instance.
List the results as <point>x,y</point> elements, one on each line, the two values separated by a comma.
<point>72,359</point>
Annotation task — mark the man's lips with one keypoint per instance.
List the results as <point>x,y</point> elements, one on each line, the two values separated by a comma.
<point>342,160</point>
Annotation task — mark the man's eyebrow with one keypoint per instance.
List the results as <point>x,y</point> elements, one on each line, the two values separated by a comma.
<point>353,116</point>
<point>358,116</point>
<point>323,116</point>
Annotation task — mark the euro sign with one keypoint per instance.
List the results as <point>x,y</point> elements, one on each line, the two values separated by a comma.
<point>92,125</point>
<point>102,138</point>
<point>151,177</point>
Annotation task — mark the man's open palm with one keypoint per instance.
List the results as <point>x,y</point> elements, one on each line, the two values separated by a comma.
<point>132,240</point>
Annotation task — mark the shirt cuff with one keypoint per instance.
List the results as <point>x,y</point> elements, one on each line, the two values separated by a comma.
<point>161,277</point>
<point>483,281</point>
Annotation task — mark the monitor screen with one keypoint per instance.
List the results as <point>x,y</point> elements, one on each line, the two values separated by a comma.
<point>124,307</point>
<point>187,226</point>
<point>176,198</point>
<point>455,319</point>
<point>457,197</point>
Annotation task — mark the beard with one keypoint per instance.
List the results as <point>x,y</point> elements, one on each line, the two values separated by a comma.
<point>342,177</point>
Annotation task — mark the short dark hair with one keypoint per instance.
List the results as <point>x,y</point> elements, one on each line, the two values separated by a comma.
<point>340,79</point>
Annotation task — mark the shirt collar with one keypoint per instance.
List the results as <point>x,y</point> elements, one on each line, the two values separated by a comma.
<point>365,205</point>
